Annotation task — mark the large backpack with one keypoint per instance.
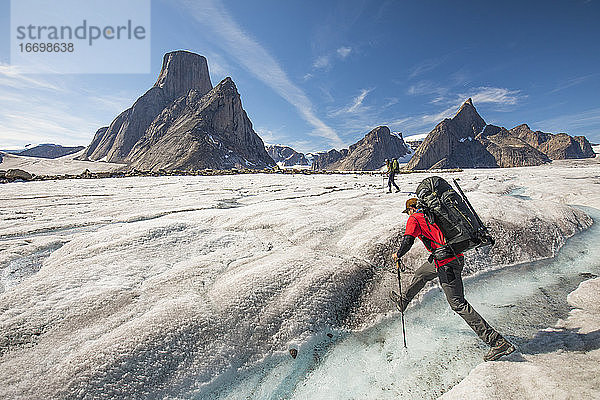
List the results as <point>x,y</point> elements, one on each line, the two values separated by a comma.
<point>395,165</point>
<point>453,214</point>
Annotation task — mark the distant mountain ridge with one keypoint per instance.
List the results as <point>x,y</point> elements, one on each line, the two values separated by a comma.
<point>556,146</point>
<point>286,156</point>
<point>182,122</point>
<point>49,150</point>
<point>466,141</point>
<point>368,154</point>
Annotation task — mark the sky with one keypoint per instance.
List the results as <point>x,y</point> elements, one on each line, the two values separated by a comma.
<point>316,75</point>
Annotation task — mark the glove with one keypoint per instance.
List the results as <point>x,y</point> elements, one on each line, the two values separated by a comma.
<point>401,265</point>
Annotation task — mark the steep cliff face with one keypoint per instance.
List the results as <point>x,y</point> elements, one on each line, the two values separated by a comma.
<point>467,120</point>
<point>368,154</point>
<point>556,146</point>
<point>183,123</point>
<point>98,136</point>
<point>586,147</point>
<point>202,131</point>
<point>181,72</point>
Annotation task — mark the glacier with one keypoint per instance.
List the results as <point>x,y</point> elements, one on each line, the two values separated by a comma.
<point>198,287</point>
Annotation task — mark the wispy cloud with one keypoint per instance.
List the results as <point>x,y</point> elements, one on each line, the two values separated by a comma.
<point>572,82</point>
<point>356,106</point>
<point>396,125</point>
<point>427,88</point>
<point>424,67</point>
<point>253,57</point>
<point>391,101</point>
<point>493,95</point>
<point>268,135</point>
<point>13,77</point>
<point>429,119</point>
<point>501,97</point>
<point>344,51</point>
<point>584,123</point>
<point>44,109</point>
<point>34,118</point>
<point>327,61</point>
<point>322,62</point>
<point>484,94</point>
<point>358,100</point>
<point>218,66</point>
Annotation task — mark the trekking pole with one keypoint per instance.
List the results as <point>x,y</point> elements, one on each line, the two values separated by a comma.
<point>401,301</point>
<point>468,203</point>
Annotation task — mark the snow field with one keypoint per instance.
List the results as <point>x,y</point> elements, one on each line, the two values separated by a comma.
<point>565,366</point>
<point>175,286</point>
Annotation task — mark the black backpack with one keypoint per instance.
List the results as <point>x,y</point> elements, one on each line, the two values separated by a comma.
<point>453,214</point>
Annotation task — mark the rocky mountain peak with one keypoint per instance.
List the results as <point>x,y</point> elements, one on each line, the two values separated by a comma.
<point>521,127</point>
<point>202,131</point>
<point>226,85</point>
<point>468,119</point>
<point>182,71</point>
<point>368,154</point>
<point>556,146</point>
<point>379,132</point>
<point>182,123</point>
<point>465,141</point>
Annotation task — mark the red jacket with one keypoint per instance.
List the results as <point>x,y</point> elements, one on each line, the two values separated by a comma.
<point>429,233</point>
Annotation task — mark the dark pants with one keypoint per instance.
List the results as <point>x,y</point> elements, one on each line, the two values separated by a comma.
<point>391,181</point>
<point>452,285</point>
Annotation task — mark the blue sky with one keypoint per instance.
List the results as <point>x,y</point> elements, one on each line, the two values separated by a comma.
<point>320,74</point>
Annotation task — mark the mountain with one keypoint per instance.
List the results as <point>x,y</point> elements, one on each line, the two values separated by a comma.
<point>200,131</point>
<point>509,150</point>
<point>465,141</point>
<point>50,151</point>
<point>368,154</point>
<point>324,160</point>
<point>452,143</point>
<point>286,156</point>
<point>182,122</point>
<point>181,71</point>
<point>556,146</point>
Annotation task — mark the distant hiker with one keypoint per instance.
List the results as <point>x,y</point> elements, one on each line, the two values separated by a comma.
<point>448,270</point>
<point>392,168</point>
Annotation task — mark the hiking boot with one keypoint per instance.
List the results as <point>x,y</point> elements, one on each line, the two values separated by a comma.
<point>397,190</point>
<point>501,348</point>
<point>400,301</point>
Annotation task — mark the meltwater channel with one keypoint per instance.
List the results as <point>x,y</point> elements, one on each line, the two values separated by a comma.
<point>517,300</point>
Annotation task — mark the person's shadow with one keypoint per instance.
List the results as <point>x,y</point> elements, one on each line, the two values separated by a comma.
<point>554,339</point>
